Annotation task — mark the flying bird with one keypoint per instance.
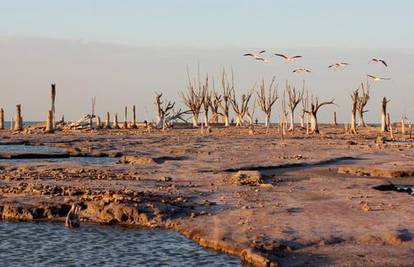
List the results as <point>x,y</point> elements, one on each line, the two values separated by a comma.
<point>376,78</point>
<point>301,70</point>
<point>377,60</point>
<point>254,55</point>
<point>338,65</point>
<point>288,58</point>
<point>263,60</point>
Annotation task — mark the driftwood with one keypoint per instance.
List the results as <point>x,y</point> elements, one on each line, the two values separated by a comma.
<point>82,123</point>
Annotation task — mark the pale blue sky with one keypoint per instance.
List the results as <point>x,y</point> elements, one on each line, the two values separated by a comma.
<point>215,23</point>
<point>123,51</point>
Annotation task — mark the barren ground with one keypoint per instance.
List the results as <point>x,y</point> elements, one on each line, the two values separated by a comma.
<point>315,204</point>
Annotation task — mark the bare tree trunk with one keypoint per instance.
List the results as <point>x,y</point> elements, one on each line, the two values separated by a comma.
<point>49,122</point>
<point>53,101</point>
<point>314,123</point>
<point>384,127</point>
<point>134,118</point>
<point>195,120</point>
<point>267,120</point>
<point>302,120</point>
<point>390,126</point>
<point>334,123</point>
<point>11,123</point>
<point>98,122</point>
<point>115,125</point>
<point>292,122</point>
<point>19,120</point>
<point>1,119</point>
<point>108,121</point>
<point>226,119</point>
<point>361,122</point>
<point>307,124</point>
<point>125,118</point>
<point>402,126</point>
<point>206,121</point>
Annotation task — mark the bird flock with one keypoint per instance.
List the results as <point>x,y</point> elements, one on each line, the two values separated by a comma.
<point>262,58</point>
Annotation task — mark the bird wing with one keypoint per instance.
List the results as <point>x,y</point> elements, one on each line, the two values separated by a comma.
<point>308,70</point>
<point>345,63</point>
<point>263,51</point>
<point>385,79</point>
<point>296,57</point>
<point>248,55</point>
<point>371,76</point>
<point>281,55</point>
<point>383,62</point>
<point>331,66</point>
<point>260,59</point>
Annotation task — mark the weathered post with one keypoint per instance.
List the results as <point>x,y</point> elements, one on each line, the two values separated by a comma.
<point>1,119</point>
<point>402,126</point>
<point>115,125</point>
<point>108,121</point>
<point>134,118</point>
<point>384,103</point>
<point>52,102</point>
<point>49,122</point>
<point>19,120</point>
<point>334,123</point>
<point>98,122</point>
<point>126,118</point>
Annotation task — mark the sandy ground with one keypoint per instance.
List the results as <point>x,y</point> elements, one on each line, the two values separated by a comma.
<point>310,200</point>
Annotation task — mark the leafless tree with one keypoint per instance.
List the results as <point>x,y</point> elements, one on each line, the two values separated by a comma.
<point>240,109</point>
<point>294,99</point>
<point>355,99</point>
<point>166,113</point>
<point>362,102</point>
<point>384,124</point>
<point>207,103</point>
<point>314,108</point>
<point>193,98</point>
<point>215,104</point>
<point>266,101</point>
<point>304,104</point>
<point>227,89</point>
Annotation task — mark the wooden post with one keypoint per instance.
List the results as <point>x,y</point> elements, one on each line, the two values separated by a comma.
<point>115,125</point>
<point>49,122</point>
<point>108,121</point>
<point>11,123</point>
<point>126,118</point>
<point>384,125</point>
<point>134,118</point>
<point>1,119</point>
<point>19,120</point>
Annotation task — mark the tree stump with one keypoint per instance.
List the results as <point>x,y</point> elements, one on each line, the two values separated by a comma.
<point>49,122</point>
<point>1,119</point>
<point>19,120</point>
<point>108,121</point>
<point>115,125</point>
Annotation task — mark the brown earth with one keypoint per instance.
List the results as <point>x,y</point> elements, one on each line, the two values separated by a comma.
<point>300,201</point>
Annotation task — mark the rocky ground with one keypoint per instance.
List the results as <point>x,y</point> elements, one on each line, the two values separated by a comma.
<point>297,201</point>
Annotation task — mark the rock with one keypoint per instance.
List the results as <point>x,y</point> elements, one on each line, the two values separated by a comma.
<point>136,160</point>
<point>167,179</point>
<point>246,178</point>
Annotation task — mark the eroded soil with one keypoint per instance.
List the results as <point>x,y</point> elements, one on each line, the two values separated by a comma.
<point>303,200</point>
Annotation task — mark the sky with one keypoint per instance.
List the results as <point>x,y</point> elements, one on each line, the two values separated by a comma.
<point>123,51</point>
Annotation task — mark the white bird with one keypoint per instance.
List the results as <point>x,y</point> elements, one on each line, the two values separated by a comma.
<point>338,65</point>
<point>376,78</point>
<point>377,60</point>
<point>254,55</point>
<point>301,70</point>
<point>288,58</point>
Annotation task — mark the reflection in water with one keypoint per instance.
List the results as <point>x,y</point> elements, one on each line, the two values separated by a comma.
<point>51,244</point>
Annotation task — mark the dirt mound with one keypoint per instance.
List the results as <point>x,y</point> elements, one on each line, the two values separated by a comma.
<point>136,160</point>
<point>245,178</point>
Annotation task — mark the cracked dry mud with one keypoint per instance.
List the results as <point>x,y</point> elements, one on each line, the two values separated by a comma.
<point>303,200</point>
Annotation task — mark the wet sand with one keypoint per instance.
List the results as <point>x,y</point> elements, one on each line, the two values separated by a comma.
<point>300,201</point>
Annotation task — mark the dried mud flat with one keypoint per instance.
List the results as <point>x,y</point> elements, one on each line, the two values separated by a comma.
<point>300,201</point>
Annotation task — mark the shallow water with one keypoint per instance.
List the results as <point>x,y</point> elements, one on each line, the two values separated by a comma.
<point>29,149</point>
<point>51,244</point>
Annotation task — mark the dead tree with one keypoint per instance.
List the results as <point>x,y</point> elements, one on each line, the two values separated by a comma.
<point>314,108</point>
<point>384,125</point>
<point>115,125</point>
<point>294,99</point>
<point>227,89</point>
<point>108,121</point>
<point>304,104</point>
<point>98,122</point>
<point>362,102</point>
<point>49,122</point>
<point>134,118</point>
<point>1,119</point>
<point>334,123</point>
<point>355,99</point>
<point>206,96</point>
<point>19,120</point>
<point>215,104</point>
<point>166,114</point>
<point>193,98</point>
<point>266,102</point>
<point>92,115</point>
<point>284,114</point>
<point>125,126</point>
<point>53,101</point>
<point>240,109</point>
